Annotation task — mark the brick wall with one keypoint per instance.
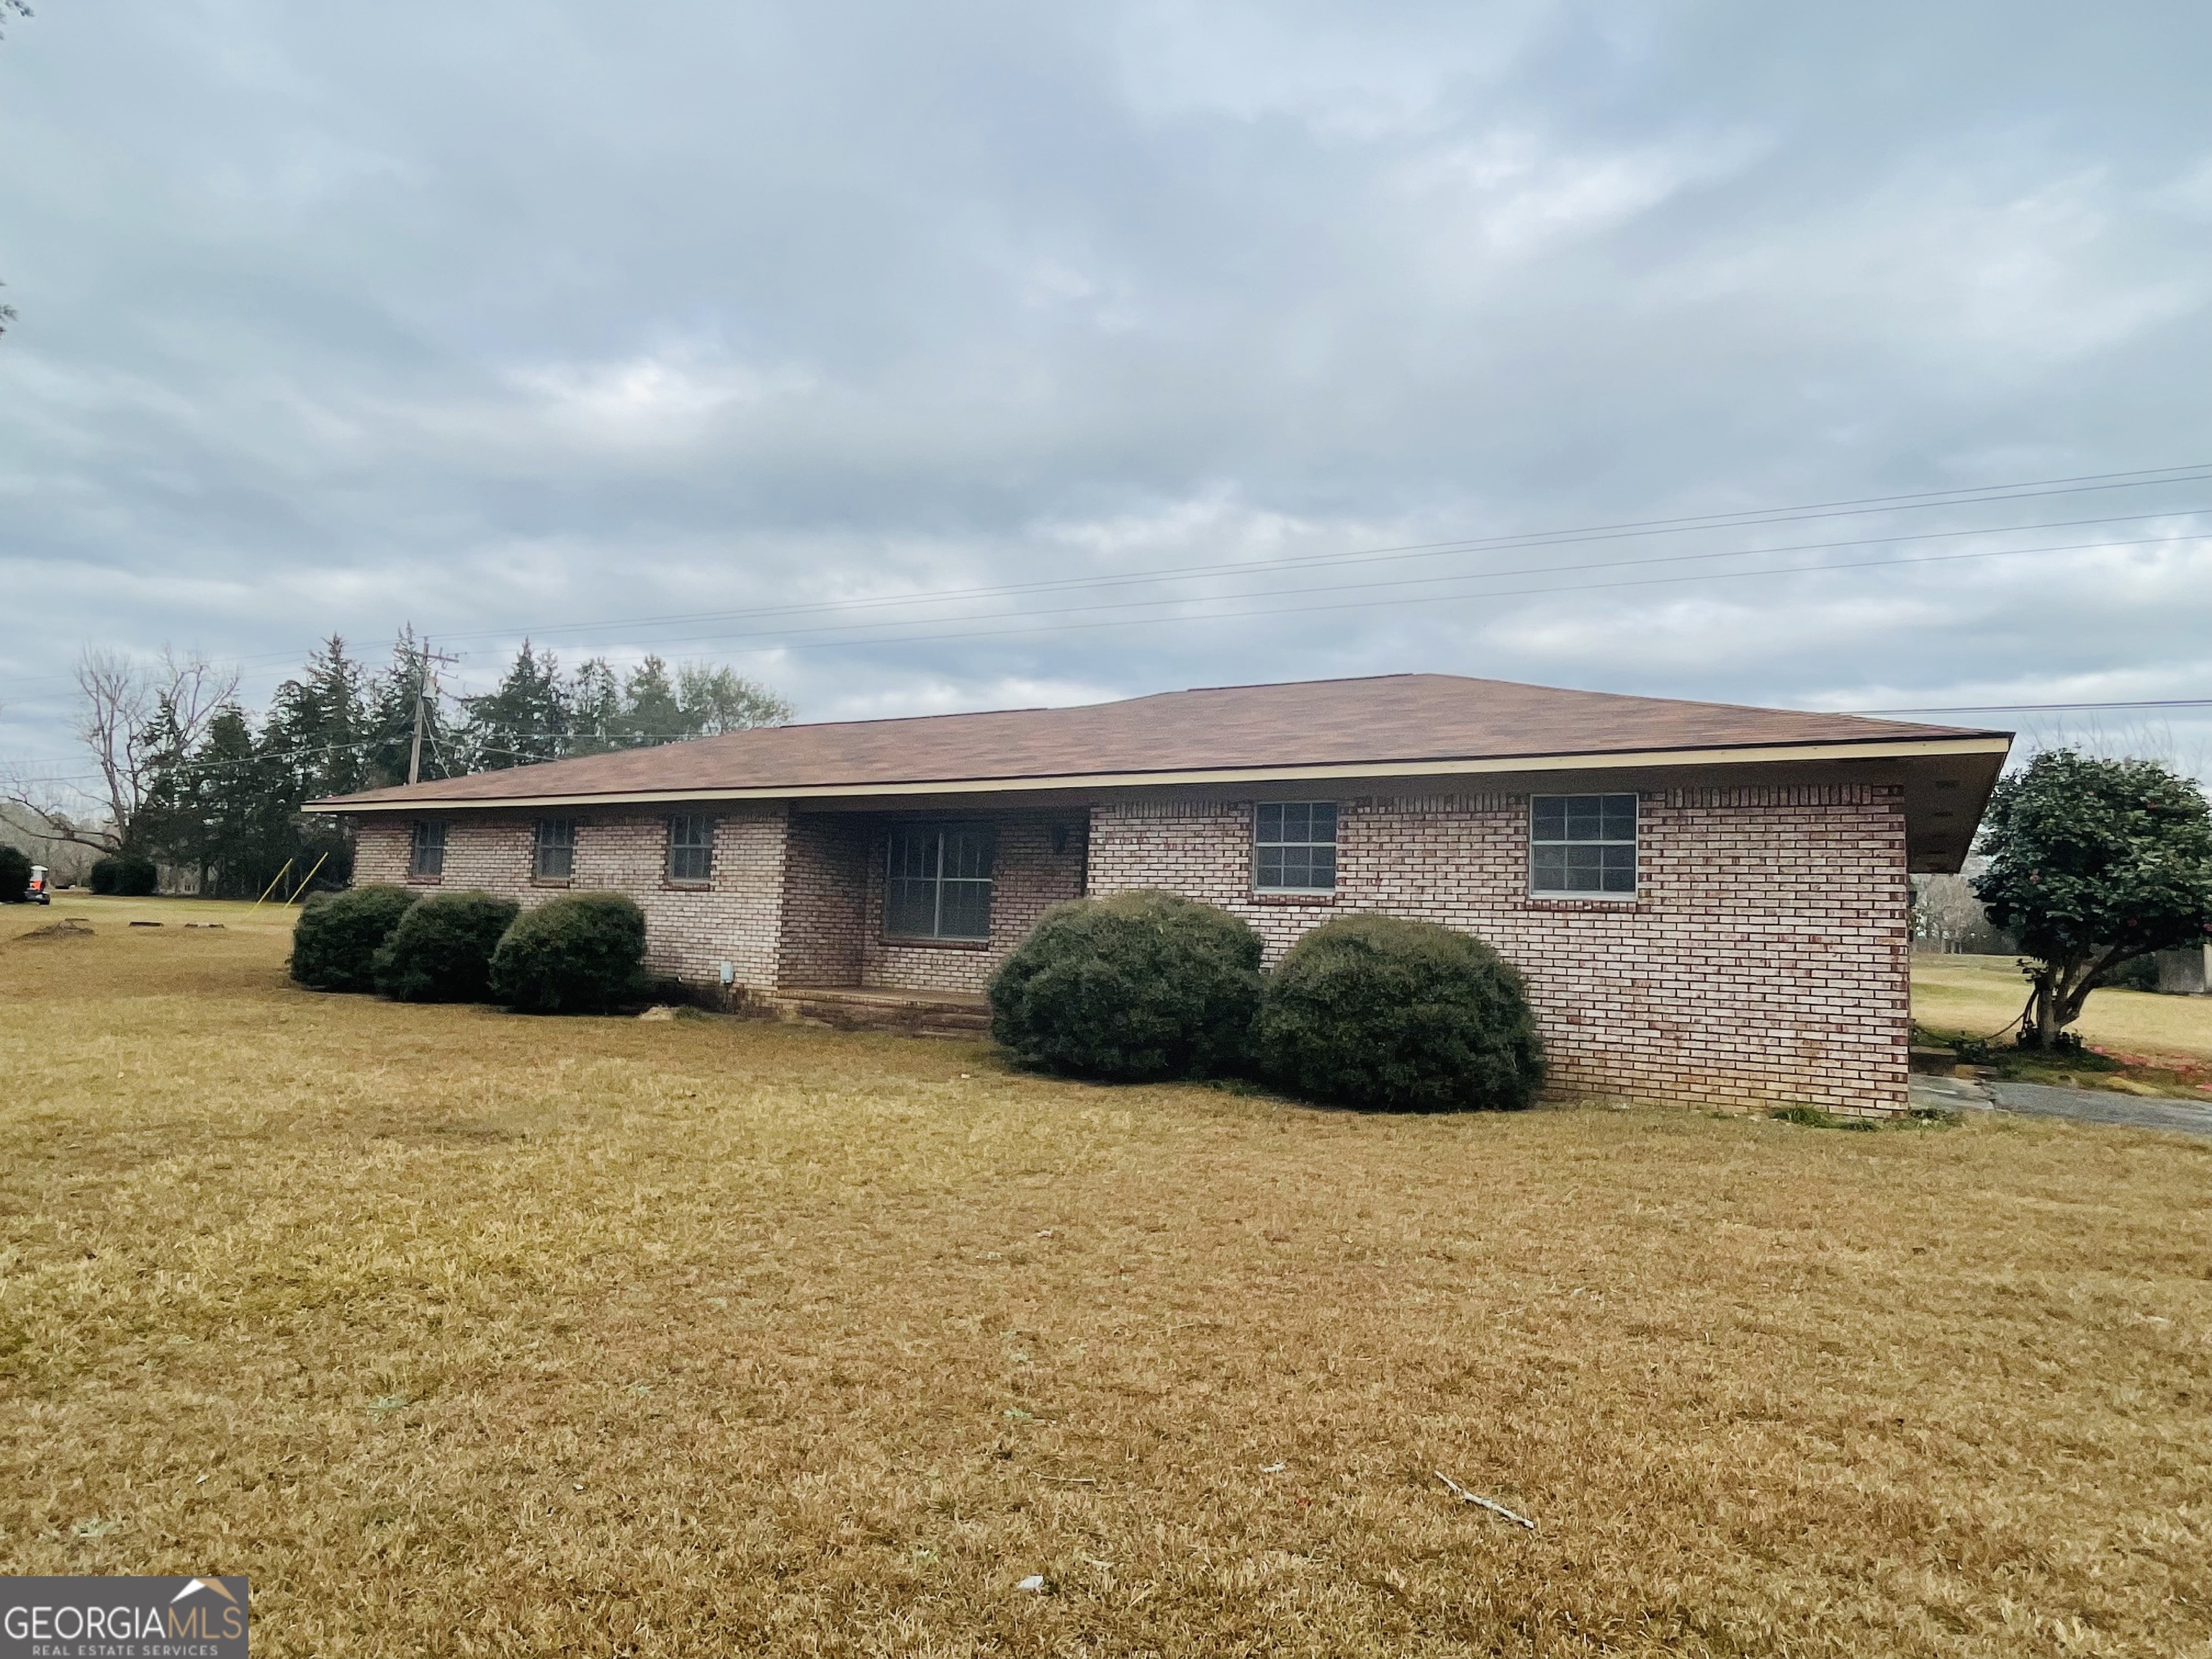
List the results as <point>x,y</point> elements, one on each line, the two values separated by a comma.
<point>1028,877</point>
<point>1762,961</point>
<point>689,931</point>
<point>825,889</point>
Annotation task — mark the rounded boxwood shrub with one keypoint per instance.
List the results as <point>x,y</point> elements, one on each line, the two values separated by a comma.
<point>1137,986</point>
<point>1399,1016</point>
<point>441,949</point>
<point>581,954</point>
<point>335,942</point>
<point>124,875</point>
<point>15,876</point>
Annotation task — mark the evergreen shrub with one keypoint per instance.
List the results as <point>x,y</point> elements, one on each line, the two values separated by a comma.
<point>581,954</point>
<point>15,876</point>
<point>335,942</point>
<point>124,875</point>
<point>1393,1015</point>
<point>1138,986</point>
<point>441,949</point>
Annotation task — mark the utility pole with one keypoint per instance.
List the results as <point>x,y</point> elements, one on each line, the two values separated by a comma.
<point>421,696</point>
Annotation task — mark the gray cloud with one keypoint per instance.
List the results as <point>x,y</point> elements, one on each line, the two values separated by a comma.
<point>509,316</point>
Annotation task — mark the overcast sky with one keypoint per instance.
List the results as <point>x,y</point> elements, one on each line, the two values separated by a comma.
<point>632,327</point>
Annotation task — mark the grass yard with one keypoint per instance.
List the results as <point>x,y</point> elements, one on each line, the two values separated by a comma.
<point>2166,1040</point>
<point>466,1334</point>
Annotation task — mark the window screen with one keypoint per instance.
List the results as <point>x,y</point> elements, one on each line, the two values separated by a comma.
<point>939,882</point>
<point>555,855</point>
<point>1294,847</point>
<point>691,848</point>
<point>426,855</point>
<point>1582,844</point>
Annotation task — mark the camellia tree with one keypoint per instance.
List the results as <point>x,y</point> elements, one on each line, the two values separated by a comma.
<point>2092,863</point>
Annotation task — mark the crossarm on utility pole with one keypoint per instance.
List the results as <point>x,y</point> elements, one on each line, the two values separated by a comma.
<point>421,696</point>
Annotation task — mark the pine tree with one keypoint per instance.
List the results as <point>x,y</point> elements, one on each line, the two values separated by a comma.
<point>525,721</point>
<point>229,810</point>
<point>595,708</point>
<point>389,736</point>
<point>652,714</point>
<point>316,724</point>
<point>246,794</point>
<point>164,827</point>
<point>312,743</point>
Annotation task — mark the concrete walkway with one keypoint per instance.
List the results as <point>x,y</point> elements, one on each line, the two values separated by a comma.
<point>2081,1105</point>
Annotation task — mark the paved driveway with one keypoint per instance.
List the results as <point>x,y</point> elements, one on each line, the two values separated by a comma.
<point>2081,1105</point>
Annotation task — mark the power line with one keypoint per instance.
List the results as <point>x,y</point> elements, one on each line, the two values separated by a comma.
<point>849,629</point>
<point>355,746</point>
<point>1218,615</point>
<point>1364,605</point>
<point>1750,519</point>
<point>1080,584</point>
<point>1470,576</point>
<point>1745,519</point>
<point>2036,708</point>
<point>360,744</point>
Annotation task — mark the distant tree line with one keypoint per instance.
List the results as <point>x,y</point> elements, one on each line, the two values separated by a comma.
<point>187,777</point>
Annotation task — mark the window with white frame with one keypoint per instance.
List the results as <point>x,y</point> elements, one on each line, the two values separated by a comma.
<point>1294,847</point>
<point>553,852</point>
<point>425,852</point>
<point>939,882</point>
<point>1582,846</point>
<point>691,848</point>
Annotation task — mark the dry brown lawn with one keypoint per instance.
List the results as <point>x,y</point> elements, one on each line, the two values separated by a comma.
<point>465,1333</point>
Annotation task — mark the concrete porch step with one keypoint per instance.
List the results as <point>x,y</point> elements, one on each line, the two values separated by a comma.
<point>964,1014</point>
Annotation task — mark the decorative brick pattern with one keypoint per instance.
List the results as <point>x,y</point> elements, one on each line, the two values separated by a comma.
<point>1762,961</point>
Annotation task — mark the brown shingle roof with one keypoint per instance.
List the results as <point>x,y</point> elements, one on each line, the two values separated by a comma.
<point>1408,717</point>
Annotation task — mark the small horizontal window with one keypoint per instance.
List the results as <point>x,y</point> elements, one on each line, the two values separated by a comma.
<point>1294,847</point>
<point>1582,846</point>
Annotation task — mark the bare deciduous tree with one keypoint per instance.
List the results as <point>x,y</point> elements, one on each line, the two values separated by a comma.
<point>1947,916</point>
<point>132,716</point>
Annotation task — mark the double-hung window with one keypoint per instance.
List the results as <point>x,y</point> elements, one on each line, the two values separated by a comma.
<point>553,851</point>
<point>426,852</point>
<point>1582,846</point>
<point>1294,847</point>
<point>938,883</point>
<point>691,848</point>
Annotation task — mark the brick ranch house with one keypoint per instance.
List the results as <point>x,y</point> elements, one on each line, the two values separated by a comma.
<point>1709,902</point>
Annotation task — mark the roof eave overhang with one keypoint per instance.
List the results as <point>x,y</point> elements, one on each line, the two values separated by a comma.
<point>1995,743</point>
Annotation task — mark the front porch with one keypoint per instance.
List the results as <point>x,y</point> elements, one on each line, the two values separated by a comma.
<point>964,1014</point>
<point>917,909</point>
